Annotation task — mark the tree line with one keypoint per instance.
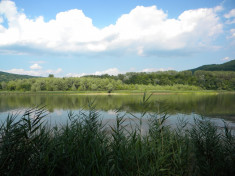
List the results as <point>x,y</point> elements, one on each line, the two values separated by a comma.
<point>209,80</point>
<point>83,84</point>
<point>168,80</point>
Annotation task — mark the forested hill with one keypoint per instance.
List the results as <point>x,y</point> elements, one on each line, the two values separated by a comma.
<point>4,76</point>
<point>228,66</point>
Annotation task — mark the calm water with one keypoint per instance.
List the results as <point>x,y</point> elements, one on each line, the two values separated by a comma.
<point>188,106</point>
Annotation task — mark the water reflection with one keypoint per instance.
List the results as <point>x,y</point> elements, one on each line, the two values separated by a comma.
<point>214,106</point>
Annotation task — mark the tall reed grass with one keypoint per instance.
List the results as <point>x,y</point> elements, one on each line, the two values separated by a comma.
<point>85,146</point>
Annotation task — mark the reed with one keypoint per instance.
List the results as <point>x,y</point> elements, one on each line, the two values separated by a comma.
<point>85,146</point>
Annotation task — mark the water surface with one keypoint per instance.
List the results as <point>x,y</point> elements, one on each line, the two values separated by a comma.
<point>214,106</point>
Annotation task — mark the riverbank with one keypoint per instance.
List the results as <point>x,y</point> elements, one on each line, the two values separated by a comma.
<point>116,92</point>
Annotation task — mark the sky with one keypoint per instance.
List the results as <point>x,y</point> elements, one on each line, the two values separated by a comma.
<point>73,38</point>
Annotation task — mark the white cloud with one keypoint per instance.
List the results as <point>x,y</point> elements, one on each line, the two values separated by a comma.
<point>230,21</point>
<point>76,74</point>
<point>35,67</point>
<point>37,62</point>
<point>59,70</point>
<point>143,30</point>
<point>156,69</point>
<point>110,71</point>
<point>226,59</point>
<point>34,72</point>
<point>232,32</point>
<point>23,72</point>
<point>232,36</point>
<point>219,8</point>
<point>230,14</point>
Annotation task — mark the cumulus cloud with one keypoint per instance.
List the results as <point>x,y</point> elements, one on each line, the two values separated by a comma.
<point>110,71</point>
<point>143,30</point>
<point>156,69</point>
<point>232,32</point>
<point>35,67</point>
<point>23,72</point>
<point>226,59</point>
<point>230,21</point>
<point>37,62</point>
<point>230,15</point>
<point>76,74</point>
<point>59,70</point>
<point>231,36</point>
<point>34,72</point>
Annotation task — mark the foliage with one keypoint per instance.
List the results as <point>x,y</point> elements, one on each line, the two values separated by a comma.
<point>51,76</point>
<point>167,80</point>
<point>228,66</point>
<point>84,146</point>
<point>209,80</point>
<point>214,150</point>
<point>9,76</point>
<point>83,84</point>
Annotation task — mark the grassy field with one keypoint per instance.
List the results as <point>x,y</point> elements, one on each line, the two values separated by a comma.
<point>85,146</point>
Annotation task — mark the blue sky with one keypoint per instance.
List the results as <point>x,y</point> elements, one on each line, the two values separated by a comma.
<point>75,38</point>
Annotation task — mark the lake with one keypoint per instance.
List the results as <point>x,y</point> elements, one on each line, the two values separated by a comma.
<point>217,107</point>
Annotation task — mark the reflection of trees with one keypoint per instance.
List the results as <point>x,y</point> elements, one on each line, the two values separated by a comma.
<point>210,105</point>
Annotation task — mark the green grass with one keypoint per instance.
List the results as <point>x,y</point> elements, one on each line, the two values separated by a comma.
<point>85,146</point>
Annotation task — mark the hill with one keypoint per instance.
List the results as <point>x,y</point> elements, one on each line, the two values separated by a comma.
<point>4,76</point>
<point>228,66</point>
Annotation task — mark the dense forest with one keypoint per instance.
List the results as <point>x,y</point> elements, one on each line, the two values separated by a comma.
<point>210,80</point>
<point>228,66</point>
<point>168,80</point>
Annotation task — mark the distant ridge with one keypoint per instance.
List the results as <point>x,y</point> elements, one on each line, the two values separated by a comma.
<point>4,76</point>
<point>228,66</point>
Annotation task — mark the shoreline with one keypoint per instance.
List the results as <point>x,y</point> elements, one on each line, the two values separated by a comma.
<point>125,92</point>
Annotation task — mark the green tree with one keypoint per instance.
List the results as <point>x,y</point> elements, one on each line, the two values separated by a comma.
<point>11,86</point>
<point>4,85</point>
<point>51,76</point>
<point>73,87</point>
<point>110,88</point>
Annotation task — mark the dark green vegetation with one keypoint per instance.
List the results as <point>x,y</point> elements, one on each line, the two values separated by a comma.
<point>167,80</point>
<point>209,80</point>
<point>84,84</point>
<point>84,146</point>
<point>9,76</point>
<point>228,66</point>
